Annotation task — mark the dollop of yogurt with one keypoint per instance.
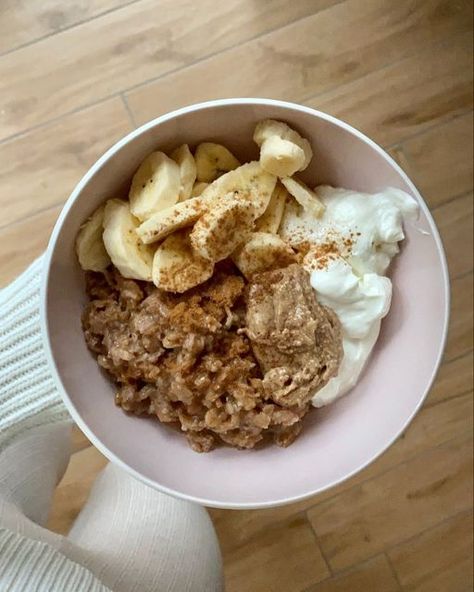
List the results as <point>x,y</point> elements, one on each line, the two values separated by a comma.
<point>360,302</point>
<point>349,250</point>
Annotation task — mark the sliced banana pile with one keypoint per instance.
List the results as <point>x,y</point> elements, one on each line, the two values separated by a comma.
<point>186,212</point>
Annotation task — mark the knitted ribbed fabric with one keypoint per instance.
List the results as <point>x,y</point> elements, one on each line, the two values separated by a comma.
<point>128,537</point>
<point>32,566</point>
<point>33,456</point>
<point>28,396</point>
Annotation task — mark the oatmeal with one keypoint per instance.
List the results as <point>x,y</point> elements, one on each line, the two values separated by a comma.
<point>192,361</point>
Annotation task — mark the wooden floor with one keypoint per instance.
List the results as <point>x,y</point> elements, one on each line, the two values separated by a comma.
<point>76,76</point>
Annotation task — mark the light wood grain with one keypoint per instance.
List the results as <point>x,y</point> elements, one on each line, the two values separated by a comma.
<point>460,338</point>
<point>285,556</point>
<point>395,506</point>
<point>455,223</point>
<point>440,160</point>
<point>41,169</point>
<point>454,378</point>
<point>438,559</point>
<point>434,426</point>
<point>431,428</point>
<point>79,440</point>
<point>74,488</point>
<point>374,575</point>
<point>22,242</point>
<point>24,22</point>
<point>340,45</point>
<point>426,90</point>
<point>124,48</point>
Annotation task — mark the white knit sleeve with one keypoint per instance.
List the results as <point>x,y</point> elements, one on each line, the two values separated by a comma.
<point>28,565</point>
<point>33,454</point>
<point>28,397</point>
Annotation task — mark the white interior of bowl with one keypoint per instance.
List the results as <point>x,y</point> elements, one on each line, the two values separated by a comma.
<point>338,440</point>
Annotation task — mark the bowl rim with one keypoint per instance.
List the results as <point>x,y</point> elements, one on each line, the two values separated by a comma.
<point>46,271</point>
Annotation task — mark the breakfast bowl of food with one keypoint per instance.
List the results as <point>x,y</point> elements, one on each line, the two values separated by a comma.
<point>244,302</point>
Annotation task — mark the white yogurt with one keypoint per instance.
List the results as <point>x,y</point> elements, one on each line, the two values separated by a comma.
<point>363,232</point>
<point>360,302</point>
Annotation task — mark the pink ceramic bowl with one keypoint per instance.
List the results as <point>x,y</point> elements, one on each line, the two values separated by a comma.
<point>337,441</point>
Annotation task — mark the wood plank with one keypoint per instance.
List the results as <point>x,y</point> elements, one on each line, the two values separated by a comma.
<point>22,242</point>
<point>127,47</point>
<point>309,57</point>
<point>455,223</point>
<point>237,529</point>
<point>454,378</point>
<point>79,440</point>
<point>73,490</point>
<point>426,90</point>
<point>397,154</point>
<point>395,506</point>
<point>285,556</point>
<point>432,427</point>
<point>374,575</point>
<point>438,559</point>
<point>41,168</point>
<point>460,338</point>
<point>440,160</point>
<point>23,22</point>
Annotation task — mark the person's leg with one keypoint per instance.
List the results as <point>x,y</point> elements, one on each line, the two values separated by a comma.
<point>127,537</point>
<point>138,539</point>
<point>32,557</point>
<point>32,466</point>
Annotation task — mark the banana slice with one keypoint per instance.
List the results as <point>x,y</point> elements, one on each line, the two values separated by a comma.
<point>262,252</point>
<point>132,258</point>
<point>198,188</point>
<point>212,160</point>
<point>250,181</point>
<point>281,157</point>
<point>155,185</point>
<point>163,223</point>
<point>227,224</point>
<point>304,196</point>
<point>89,244</point>
<point>271,219</point>
<point>296,227</point>
<point>187,170</point>
<point>270,127</point>
<point>176,267</point>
